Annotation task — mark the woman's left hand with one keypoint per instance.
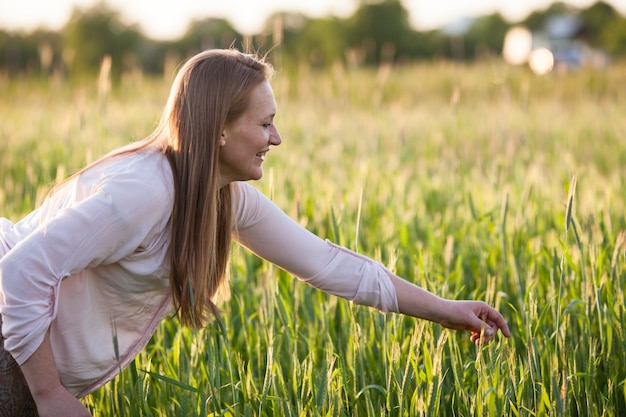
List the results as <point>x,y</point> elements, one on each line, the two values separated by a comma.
<point>482,320</point>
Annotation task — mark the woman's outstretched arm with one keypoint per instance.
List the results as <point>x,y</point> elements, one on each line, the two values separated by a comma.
<point>271,234</point>
<point>482,320</point>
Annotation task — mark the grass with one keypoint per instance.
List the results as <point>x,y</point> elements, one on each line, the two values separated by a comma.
<point>473,181</point>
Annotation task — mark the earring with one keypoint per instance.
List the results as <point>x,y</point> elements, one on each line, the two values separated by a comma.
<point>222,142</point>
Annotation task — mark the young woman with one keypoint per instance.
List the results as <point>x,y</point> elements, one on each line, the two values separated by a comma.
<point>146,231</point>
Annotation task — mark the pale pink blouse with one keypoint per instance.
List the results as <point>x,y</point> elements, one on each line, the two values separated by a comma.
<point>91,264</point>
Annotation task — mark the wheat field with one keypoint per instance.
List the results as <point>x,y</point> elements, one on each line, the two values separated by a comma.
<point>472,180</point>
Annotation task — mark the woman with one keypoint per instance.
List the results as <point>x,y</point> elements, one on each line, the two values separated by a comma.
<point>146,231</point>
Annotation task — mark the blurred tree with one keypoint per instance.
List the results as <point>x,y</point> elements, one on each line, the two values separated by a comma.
<point>95,32</point>
<point>613,37</point>
<point>486,36</point>
<point>17,52</point>
<point>319,42</point>
<point>597,16</point>
<point>380,30</point>
<point>536,20</point>
<point>49,46</point>
<point>601,23</point>
<point>35,52</point>
<point>209,33</point>
<point>423,45</point>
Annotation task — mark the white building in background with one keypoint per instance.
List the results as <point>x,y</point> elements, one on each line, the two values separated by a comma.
<point>557,46</point>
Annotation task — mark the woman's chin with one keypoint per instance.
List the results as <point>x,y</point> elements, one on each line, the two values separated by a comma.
<point>257,175</point>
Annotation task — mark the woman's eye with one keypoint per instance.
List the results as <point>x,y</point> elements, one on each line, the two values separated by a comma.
<point>266,125</point>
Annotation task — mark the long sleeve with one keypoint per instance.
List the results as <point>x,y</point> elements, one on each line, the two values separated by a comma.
<point>268,232</point>
<point>98,220</point>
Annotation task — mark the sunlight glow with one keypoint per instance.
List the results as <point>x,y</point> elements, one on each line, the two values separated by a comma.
<point>541,61</point>
<point>517,45</point>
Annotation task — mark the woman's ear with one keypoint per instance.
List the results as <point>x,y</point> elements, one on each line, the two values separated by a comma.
<point>223,138</point>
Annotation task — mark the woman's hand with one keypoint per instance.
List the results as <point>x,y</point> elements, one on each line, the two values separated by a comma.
<point>482,320</point>
<point>58,402</point>
<point>52,398</point>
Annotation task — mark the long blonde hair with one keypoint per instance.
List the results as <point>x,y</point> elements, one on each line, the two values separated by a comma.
<point>210,90</point>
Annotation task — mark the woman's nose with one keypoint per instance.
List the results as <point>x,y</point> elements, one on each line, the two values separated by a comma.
<point>275,138</point>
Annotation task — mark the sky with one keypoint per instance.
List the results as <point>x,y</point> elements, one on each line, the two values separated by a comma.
<point>168,19</point>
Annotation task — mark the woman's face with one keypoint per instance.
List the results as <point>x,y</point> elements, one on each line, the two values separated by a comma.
<point>245,142</point>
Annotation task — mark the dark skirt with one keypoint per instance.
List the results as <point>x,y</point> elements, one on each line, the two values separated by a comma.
<point>15,398</point>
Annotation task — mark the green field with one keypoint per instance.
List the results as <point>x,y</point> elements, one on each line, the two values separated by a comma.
<point>473,181</point>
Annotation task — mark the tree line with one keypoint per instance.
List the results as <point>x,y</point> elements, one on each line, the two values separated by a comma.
<point>378,31</point>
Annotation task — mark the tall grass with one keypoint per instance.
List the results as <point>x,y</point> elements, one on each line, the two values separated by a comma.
<point>479,181</point>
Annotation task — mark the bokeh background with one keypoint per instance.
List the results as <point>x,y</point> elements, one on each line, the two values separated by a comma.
<point>67,38</point>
